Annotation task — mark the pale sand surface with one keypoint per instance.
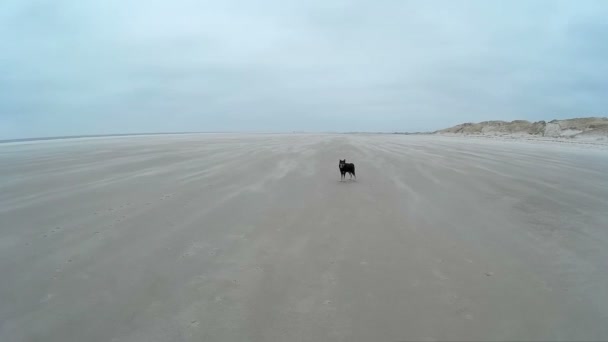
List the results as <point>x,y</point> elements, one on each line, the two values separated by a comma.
<point>219,237</point>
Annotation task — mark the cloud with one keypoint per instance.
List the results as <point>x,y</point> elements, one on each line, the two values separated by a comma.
<point>109,67</point>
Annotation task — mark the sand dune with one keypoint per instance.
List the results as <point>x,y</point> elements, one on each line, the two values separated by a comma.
<point>218,237</point>
<point>590,129</point>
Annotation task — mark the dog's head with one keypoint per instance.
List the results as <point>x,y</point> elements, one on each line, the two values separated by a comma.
<point>341,163</point>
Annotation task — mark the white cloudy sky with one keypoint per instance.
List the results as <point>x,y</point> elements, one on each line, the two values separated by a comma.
<point>86,67</point>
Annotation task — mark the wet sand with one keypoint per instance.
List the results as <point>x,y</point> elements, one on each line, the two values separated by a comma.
<point>219,237</point>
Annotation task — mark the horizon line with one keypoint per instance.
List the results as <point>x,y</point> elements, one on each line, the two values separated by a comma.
<point>62,137</point>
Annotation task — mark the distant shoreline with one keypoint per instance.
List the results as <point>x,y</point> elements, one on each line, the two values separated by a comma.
<point>100,136</point>
<point>66,137</point>
<point>87,136</point>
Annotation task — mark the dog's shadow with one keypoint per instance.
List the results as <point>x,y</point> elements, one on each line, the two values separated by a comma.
<point>347,181</point>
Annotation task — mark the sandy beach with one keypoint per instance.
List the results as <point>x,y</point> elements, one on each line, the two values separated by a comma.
<point>227,237</point>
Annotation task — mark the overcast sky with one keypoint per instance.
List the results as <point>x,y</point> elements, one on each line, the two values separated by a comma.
<point>87,67</point>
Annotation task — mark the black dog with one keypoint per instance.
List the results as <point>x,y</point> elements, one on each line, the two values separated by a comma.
<point>346,167</point>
